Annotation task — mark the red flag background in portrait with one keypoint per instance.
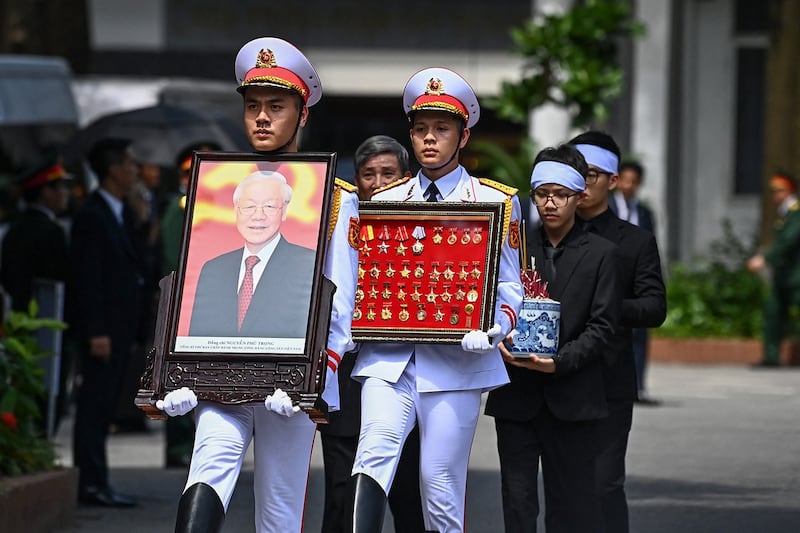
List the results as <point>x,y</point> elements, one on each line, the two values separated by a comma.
<point>213,224</point>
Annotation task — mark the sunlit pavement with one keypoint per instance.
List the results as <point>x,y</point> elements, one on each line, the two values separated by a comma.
<point>720,454</point>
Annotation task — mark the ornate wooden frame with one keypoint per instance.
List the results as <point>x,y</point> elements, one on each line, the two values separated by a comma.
<point>234,369</point>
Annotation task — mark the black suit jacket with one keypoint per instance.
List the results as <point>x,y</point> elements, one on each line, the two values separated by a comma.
<point>644,303</point>
<point>280,303</point>
<point>647,219</point>
<point>34,247</point>
<point>106,273</point>
<point>586,286</point>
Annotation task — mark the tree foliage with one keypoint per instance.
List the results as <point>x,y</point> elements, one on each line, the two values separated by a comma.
<point>570,60</point>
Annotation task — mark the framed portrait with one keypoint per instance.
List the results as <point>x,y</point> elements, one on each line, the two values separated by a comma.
<point>248,309</point>
<point>427,271</point>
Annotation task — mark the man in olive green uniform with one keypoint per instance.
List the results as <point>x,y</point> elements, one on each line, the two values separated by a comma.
<point>783,257</point>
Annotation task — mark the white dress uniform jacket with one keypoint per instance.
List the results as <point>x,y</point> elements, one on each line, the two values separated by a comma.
<point>449,367</point>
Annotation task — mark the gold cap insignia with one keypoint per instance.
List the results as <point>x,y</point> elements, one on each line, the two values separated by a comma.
<point>266,59</point>
<point>435,87</point>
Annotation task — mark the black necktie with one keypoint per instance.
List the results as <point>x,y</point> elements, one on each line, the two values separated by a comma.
<point>432,193</point>
<point>551,255</point>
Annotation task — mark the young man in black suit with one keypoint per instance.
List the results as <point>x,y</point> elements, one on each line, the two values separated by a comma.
<point>106,292</point>
<point>644,305</point>
<point>551,408</point>
<point>627,206</point>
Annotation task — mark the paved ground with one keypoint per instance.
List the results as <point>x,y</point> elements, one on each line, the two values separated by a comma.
<point>721,454</point>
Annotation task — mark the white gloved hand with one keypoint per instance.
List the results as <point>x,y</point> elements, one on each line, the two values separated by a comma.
<point>280,402</point>
<point>477,341</point>
<point>178,402</point>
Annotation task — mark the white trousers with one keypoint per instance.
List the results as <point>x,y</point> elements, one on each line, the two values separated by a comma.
<point>282,454</point>
<point>447,422</point>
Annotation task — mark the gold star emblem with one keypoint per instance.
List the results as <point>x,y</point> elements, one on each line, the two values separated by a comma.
<point>389,271</point>
<point>374,272</point>
<point>431,296</point>
<point>405,273</point>
<point>401,249</point>
<point>463,274</point>
<point>401,294</point>
<point>371,314</point>
<point>373,292</point>
<point>416,295</point>
<point>460,294</point>
<point>386,293</point>
<point>438,315</point>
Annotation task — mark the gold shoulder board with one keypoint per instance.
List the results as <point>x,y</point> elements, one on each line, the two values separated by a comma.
<point>502,187</point>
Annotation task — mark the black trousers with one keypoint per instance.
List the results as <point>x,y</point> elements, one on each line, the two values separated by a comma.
<point>612,439</point>
<point>567,452</point>
<point>339,453</point>
<point>95,405</point>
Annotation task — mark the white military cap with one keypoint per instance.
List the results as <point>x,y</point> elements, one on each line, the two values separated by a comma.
<point>441,89</point>
<point>273,62</point>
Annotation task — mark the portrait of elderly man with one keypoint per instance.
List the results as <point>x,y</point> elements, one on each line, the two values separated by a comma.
<point>263,288</point>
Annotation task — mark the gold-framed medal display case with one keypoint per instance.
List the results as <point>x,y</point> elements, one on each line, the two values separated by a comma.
<point>427,272</point>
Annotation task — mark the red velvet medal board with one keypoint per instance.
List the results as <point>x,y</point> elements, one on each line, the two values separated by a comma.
<point>427,271</point>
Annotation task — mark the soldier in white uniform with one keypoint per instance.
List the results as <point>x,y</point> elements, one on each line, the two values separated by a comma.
<point>278,85</point>
<point>435,386</point>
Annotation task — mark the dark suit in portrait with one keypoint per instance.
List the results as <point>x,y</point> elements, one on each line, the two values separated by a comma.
<point>644,305</point>
<point>105,296</point>
<point>554,416</point>
<point>280,303</point>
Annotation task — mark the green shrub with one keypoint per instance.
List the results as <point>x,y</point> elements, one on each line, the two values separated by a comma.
<point>22,447</point>
<point>715,296</point>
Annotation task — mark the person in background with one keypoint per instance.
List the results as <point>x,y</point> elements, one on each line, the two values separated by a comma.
<point>783,258</point>
<point>625,204</point>
<point>379,161</point>
<point>106,291</point>
<point>35,245</point>
<point>644,304</point>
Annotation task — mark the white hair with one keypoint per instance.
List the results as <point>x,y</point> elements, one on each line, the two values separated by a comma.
<point>260,176</point>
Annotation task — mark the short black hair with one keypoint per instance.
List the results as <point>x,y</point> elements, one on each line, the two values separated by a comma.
<point>107,152</point>
<point>598,138</point>
<point>634,166</point>
<point>564,153</point>
<point>208,146</point>
<point>379,145</point>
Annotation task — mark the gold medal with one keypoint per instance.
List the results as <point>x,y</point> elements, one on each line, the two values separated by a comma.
<point>401,294</point>
<point>357,314</point>
<point>386,313</point>
<point>431,296</point>
<point>446,296</point>
<point>419,271</point>
<point>359,295</point>
<point>386,292</point>
<point>403,314</point>
<point>389,271</point>
<point>437,235</point>
<point>416,295</point>
<point>405,272</point>
<point>438,316</point>
<point>472,296</point>
<point>476,236</point>
<point>475,272</point>
<point>401,249</point>
<point>469,308</point>
<point>465,237</point>
<point>371,314</point>
<point>374,272</point>
<point>361,271</point>
<point>435,274</point>
<point>452,239</point>
<point>448,273</point>
<point>417,248</point>
<point>421,315</point>
<point>460,294</point>
<point>454,318</point>
<point>373,292</point>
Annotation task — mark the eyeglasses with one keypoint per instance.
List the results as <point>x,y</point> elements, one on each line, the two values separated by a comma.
<point>560,199</point>
<point>593,175</point>
<point>267,209</point>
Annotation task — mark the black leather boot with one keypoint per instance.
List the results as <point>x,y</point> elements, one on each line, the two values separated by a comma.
<point>200,510</point>
<point>369,505</point>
